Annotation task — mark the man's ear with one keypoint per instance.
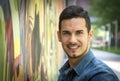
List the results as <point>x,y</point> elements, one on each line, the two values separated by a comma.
<point>59,36</point>
<point>91,34</point>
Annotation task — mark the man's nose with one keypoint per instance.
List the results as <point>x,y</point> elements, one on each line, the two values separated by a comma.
<point>73,39</point>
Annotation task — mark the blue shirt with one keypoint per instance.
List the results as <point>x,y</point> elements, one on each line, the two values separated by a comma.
<point>88,69</point>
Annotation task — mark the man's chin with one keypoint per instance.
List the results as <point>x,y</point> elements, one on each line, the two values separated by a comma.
<point>74,56</point>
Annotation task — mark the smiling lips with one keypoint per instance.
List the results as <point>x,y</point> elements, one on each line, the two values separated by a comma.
<point>73,48</point>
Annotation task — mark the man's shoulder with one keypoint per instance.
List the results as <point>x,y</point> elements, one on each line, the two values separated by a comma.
<point>97,71</point>
<point>98,65</point>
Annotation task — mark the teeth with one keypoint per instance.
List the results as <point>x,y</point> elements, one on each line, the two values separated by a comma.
<point>73,47</point>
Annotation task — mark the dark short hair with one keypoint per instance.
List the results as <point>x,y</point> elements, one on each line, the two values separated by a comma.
<point>75,12</point>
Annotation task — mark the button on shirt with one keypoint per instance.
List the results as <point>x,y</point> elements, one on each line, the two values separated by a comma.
<point>88,69</point>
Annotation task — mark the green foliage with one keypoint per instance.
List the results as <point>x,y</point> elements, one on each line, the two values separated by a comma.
<point>105,10</point>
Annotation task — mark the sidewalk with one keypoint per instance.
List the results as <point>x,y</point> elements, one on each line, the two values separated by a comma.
<point>112,60</point>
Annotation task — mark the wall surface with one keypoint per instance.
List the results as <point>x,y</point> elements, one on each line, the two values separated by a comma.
<point>29,49</point>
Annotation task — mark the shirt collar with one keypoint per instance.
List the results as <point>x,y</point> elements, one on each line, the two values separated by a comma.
<point>79,68</point>
<point>65,67</point>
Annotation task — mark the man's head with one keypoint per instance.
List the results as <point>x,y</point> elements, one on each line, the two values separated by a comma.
<point>74,31</point>
<point>75,12</point>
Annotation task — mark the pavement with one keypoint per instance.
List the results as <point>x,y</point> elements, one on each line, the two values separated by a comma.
<point>112,60</point>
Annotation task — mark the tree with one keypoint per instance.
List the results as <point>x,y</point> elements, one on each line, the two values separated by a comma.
<point>105,11</point>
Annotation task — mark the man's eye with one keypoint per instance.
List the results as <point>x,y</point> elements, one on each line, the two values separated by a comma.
<point>79,32</point>
<point>66,33</point>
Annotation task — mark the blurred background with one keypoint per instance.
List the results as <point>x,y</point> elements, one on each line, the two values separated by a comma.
<point>29,48</point>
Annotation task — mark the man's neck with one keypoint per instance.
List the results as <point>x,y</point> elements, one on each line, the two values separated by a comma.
<point>74,61</point>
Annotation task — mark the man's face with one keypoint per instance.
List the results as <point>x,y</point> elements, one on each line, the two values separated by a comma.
<point>74,37</point>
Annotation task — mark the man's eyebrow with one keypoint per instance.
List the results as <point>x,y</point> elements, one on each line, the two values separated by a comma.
<point>80,30</point>
<point>65,31</point>
<point>76,30</point>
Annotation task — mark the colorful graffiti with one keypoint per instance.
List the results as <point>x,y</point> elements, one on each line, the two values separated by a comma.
<point>28,42</point>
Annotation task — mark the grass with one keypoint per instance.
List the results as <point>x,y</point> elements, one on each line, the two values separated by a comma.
<point>111,49</point>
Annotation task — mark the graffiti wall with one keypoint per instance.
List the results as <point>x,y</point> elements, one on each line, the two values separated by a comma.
<point>28,41</point>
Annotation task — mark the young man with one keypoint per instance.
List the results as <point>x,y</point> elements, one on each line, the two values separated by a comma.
<point>75,34</point>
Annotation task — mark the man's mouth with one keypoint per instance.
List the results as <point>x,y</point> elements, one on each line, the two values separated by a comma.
<point>73,47</point>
